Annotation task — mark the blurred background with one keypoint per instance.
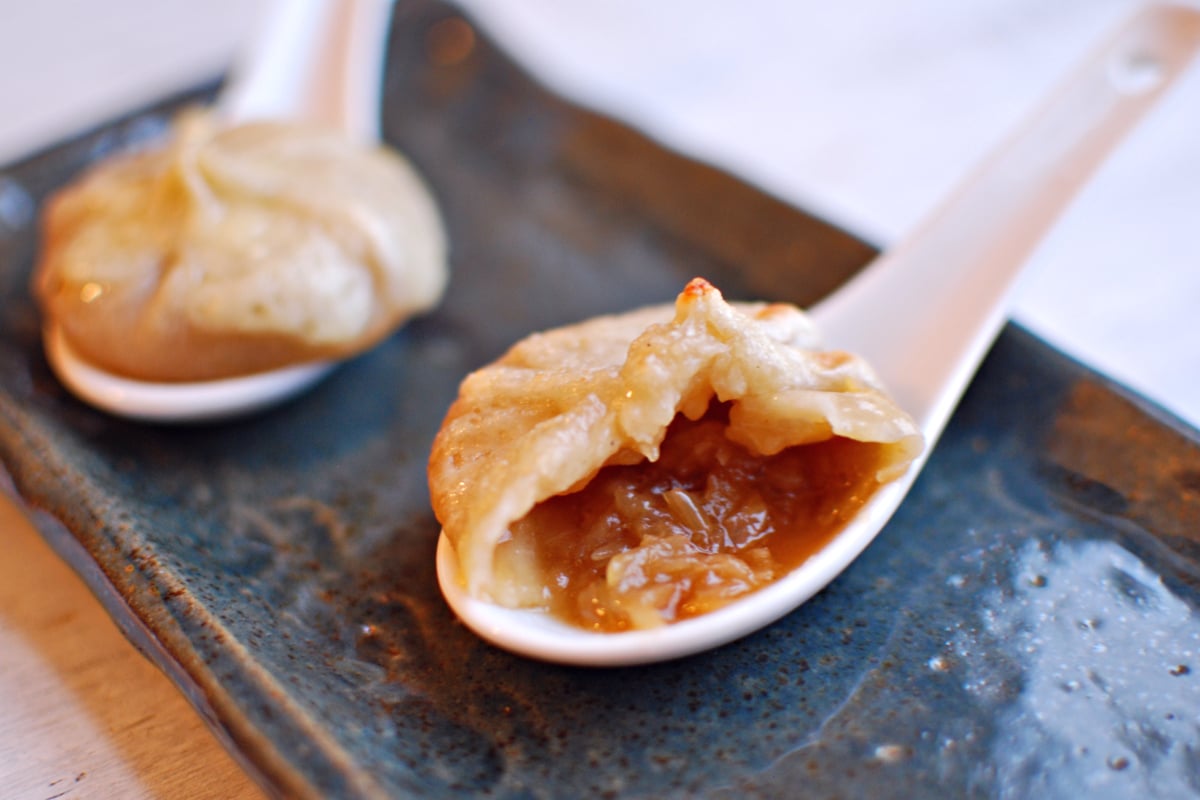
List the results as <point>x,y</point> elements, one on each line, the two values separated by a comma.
<point>866,112</point>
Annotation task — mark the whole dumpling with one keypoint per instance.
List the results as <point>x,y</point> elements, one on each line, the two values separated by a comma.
<point>236,250</point>
<point>636,469</point>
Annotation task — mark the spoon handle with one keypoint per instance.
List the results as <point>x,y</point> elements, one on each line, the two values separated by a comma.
<point>316,61</point>
<point>926,312</point>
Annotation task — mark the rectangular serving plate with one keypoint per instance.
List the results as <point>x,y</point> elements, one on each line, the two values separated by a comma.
<point>280,568</point>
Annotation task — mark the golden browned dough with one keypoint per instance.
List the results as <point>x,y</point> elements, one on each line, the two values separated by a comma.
<point>547,476</point>
<point>231,251</point>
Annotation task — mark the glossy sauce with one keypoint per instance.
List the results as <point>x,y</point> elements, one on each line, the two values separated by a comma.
<point>645,545</point>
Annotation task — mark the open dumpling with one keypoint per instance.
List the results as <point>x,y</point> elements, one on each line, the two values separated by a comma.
<point>633,470</point>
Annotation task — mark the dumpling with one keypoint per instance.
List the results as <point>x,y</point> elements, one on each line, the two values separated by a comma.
<point>637,469</point>
<point>235,250</point>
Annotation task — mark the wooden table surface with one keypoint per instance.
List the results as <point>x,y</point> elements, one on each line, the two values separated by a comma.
<point>84,714</point>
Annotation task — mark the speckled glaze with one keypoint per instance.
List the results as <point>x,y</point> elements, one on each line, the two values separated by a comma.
<point>1025,627</point>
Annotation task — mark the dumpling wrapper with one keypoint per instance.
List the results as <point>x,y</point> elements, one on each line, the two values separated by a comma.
<point>561,405</point>
<point>235,250</point>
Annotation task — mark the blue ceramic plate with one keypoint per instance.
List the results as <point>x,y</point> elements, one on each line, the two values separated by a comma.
<point>1025,627</point>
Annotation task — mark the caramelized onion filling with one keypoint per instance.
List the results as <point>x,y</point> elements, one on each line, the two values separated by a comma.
<point>649,544</point>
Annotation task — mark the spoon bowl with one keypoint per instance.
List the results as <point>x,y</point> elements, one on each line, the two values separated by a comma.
<point>924,314</point>
<point>194,401</point>
<point>315,61</point>
<point>538,635</point>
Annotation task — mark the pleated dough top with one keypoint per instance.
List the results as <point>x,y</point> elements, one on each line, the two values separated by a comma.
<point>231,251</point>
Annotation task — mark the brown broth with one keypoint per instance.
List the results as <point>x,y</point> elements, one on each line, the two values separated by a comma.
<point>649,544</point>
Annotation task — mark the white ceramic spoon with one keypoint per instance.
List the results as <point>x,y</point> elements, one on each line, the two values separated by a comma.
<point>924,315</point>
<point>315,61</point>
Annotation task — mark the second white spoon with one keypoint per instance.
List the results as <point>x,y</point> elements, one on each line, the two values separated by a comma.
<point>924,315</point>
<point>317,61</point>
